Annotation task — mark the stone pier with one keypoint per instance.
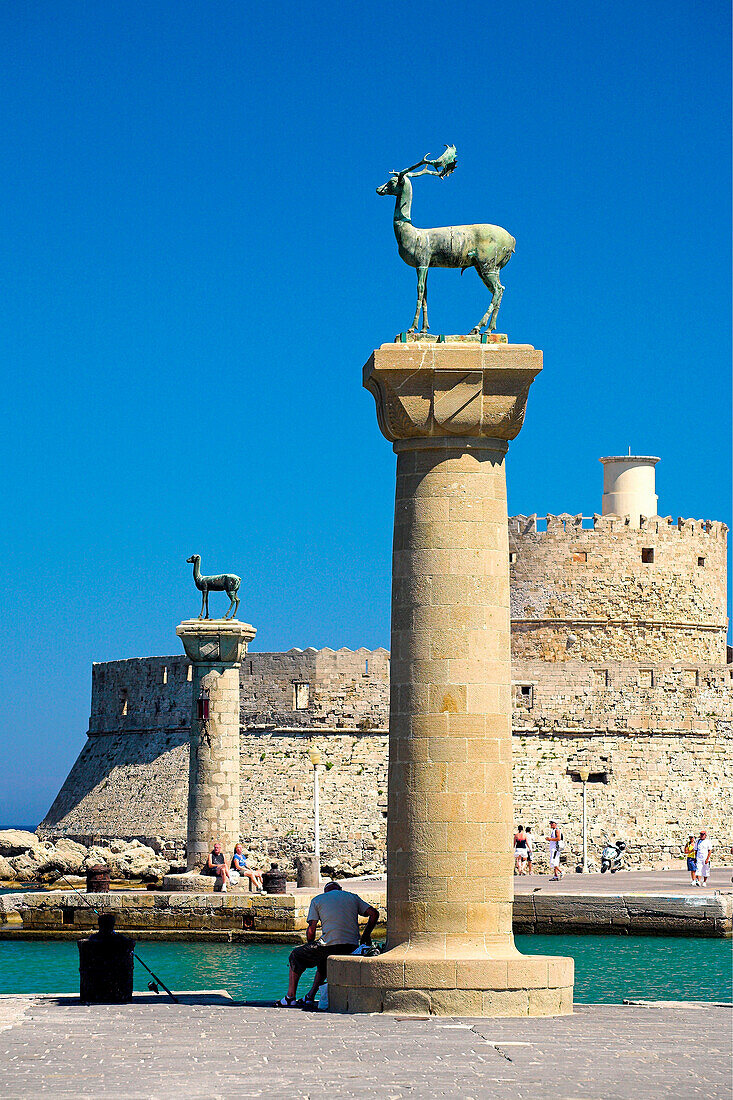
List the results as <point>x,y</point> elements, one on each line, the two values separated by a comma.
<point>215,648</point>
<point>450,411</point>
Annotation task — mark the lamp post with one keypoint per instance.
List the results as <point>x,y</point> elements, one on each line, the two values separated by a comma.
<point>315,758</point>
<point>583,774</point>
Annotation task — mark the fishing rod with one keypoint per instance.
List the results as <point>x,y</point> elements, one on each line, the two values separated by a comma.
<point>152,986</point>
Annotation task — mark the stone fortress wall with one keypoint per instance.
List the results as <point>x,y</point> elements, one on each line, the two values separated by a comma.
<point>596,588</point>
<point>656,738</point>
<point>618,665</point>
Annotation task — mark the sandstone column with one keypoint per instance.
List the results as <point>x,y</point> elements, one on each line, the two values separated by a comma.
<point>215,648</point>
<point>450,410</point>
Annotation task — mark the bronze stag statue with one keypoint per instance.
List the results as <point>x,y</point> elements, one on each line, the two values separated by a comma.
<point>486,247</point>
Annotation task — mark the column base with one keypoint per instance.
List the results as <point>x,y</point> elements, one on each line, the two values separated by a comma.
<point>409,981</point>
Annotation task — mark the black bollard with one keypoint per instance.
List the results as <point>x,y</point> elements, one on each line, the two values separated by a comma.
<point>106,965</point>
<point>274,881</point>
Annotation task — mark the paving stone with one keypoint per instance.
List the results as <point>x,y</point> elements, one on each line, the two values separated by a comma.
<point>153,1050</point>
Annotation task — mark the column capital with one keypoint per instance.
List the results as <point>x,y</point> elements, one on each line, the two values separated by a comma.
<point>215,641</point>
<point>433,391</point>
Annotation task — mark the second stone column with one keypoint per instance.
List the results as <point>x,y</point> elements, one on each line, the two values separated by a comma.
<point>215,648</point>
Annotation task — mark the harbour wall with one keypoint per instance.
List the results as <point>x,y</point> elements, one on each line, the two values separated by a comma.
<point>656,738</point>
<point>283,917</point>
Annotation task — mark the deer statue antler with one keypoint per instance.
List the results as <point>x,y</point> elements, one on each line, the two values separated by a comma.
<point>445,163</point>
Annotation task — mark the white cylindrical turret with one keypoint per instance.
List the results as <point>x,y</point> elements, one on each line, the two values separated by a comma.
<point>628,487</point>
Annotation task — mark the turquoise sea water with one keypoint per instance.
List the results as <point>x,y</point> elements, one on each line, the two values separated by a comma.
<point>607,968</point>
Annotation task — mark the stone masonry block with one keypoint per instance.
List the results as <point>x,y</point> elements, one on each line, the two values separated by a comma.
<point>430,973</point>
<point>343,970</point>
<point>560,971</point>
<point>545,1002</point>
<point>456,1002</point>
<point>527,972</point>
<point>507,1002</point>
<point>361,999</point>
<point>382,974</point>
<point>410,1002</point>
<point>338,998</point>
<point>481,974</point>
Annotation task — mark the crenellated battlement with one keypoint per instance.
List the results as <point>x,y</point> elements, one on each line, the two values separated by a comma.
<point>564,523</point>
<point>600,588</point>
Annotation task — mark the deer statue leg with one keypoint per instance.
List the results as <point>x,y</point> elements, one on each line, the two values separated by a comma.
<point>491,279</point>
<point>422,274</point>
<point>203,603</point>
<point>425,325</point>
<point>206,602</point>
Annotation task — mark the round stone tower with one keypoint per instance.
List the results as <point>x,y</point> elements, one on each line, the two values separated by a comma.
<point>633,586</point>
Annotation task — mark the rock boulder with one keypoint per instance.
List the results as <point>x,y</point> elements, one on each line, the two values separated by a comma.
<point>7,873</point>
<point>13,842</point>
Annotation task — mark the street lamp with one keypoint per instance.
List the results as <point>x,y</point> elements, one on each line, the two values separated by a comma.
<point>583,774</point>
<point>315,758</point>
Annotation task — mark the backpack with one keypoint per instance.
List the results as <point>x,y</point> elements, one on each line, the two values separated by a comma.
<point>561,843</point>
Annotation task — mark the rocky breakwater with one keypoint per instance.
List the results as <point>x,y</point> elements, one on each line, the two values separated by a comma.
<point>26,858</point>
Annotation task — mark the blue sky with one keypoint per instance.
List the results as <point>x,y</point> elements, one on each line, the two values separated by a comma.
<point>195,266</point>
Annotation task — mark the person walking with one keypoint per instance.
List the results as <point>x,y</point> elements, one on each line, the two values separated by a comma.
<point>520,851</point>
<point>703,852</point>
<point>555,840</point>
<point>530,845</point>
<point>691,857</point>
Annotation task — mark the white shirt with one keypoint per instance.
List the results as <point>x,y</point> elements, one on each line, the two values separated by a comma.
<point>703,848</point>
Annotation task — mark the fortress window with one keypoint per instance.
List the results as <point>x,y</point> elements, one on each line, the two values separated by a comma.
<point>165,674</point>
<point>580,555</point>
<point>701,562</point>
<point>189,673</point>
<point>301,691</point>
<point>690,677</point>
<point>600,677</point>
<point>646,677</point>
<point>524,696</point>
<point>366,667</point>
<point>512,557</point>
<point>124,706</point>
<point>647,555</point>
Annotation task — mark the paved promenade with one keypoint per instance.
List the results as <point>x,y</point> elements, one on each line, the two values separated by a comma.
<point>623,882</point>
<point>156,1051</point>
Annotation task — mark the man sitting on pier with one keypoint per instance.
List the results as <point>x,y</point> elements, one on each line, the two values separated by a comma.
<point>216,865</point>
<point>339,912</point>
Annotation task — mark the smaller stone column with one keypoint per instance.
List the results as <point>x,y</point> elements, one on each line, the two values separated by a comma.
<point>215,648</point>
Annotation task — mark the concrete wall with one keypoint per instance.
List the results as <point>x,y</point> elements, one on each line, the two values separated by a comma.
<point>580,593</point>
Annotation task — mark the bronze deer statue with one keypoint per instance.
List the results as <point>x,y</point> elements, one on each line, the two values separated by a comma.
<point>222,582</point>
<point>486,247</point>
